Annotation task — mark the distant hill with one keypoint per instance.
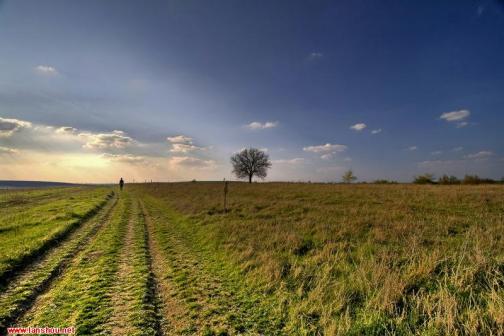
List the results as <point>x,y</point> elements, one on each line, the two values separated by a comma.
<point>32,184</point>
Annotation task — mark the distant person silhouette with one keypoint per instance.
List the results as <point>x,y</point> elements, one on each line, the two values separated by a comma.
<point>121,183</point>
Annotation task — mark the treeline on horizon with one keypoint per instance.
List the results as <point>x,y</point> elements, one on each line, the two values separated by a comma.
<point>420,179</point>
<point>445,179</point>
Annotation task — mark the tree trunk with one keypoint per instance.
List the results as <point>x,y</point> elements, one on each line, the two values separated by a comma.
<point>250,178</point>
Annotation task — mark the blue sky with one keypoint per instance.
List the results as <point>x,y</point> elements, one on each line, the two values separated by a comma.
<point>168,90</point>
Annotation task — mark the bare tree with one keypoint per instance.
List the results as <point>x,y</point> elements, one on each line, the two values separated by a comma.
<point>249,163</point>
<point>348,177</point>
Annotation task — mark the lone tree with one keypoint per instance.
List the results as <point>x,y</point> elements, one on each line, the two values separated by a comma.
<point>250,162</point>
<point>348,177</point>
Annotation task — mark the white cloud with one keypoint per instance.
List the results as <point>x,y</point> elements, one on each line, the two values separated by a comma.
<point>115,139</point>
<point>358,127</point>
<point>62,153</point>
<point>438,152</point>
<point>46,138</point>
<point>325,148</point>
<point>256,125</point>
<point>180,139</point>
<point>66,130</point>
<point>7,150</point>
<point>46,69</point>
<point>328,150</point>
<point>376,131</point>
<point>455,115</point>
<point>332,156</point>
<point>125,158</point>
<point>290,161</point>
<point>458,149</point>
<point>315,55</point>
<point>183,144</point>
<point>462,124</point>
<point>479,155</point>
<point>412,148</point>
<point>9,126</point>
<point>185,148</point>
<point>191,162</point>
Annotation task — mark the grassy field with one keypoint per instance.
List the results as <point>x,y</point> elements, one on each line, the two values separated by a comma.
<point>285,259</point>
<point>30,222</point>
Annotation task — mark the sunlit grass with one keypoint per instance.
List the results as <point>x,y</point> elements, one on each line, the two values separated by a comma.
<point>285,259</point>
<point>357,259</point>
<point>31,220</point>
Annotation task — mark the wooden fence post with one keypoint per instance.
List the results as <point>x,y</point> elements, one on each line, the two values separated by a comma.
<point>225,195</point>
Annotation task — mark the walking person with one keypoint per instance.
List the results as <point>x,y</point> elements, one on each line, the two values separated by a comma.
<point>121,184</point>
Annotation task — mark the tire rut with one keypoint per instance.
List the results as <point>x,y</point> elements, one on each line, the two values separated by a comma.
<point>122,298</point>
<point>208,301</point>
<point>152,284</point>
<point>50,245</point>
<point>170,312</point>
<point>38,273</point>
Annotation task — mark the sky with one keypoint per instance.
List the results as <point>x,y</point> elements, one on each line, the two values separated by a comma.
<point>91,91</point>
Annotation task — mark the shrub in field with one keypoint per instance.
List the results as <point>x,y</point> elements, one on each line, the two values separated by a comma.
<point>471,179</point>
<point>384,181</point>
<point>348,177</point>
<point>475,179</point>
<point>445,179</point>
<point>424,179</point>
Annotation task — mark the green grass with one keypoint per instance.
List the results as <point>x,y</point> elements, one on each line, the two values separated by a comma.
<point>107,286</point>
<point>286,259</point>
<point>354,259</point>
<point>15,297</point>
<point>32,221</point>
<point>82,296</point>
<point>215,298</point>
<point>136,312</point>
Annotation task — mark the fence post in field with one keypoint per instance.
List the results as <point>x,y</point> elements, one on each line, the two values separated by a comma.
<point>225,195</point>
